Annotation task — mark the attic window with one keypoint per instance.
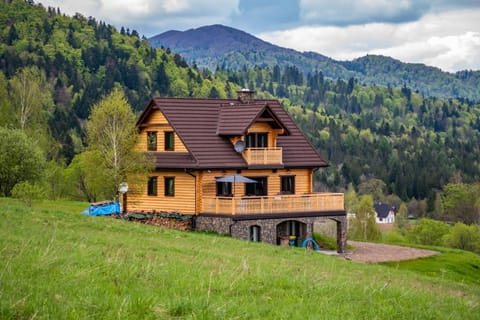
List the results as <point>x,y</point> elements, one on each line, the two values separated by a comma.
<point>169,141</point>
<point>152,141</point>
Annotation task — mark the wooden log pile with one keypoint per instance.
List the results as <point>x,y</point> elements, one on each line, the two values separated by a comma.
<point>167,220</point>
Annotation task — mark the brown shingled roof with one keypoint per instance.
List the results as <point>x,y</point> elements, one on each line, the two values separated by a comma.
<point>200,124</point>
<point>235,119</point>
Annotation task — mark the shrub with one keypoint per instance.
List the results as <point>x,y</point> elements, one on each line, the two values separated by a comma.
<point>428,232</point>
<point>394,236</point>
<point>28,192</point>
<point>464,237</point>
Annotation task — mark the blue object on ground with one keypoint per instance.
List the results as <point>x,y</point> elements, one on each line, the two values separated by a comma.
<point>313,242</point>
<point>102,209</point>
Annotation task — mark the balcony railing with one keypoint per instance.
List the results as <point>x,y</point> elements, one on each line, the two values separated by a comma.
<point>263,156</point>
<point>274,204</point>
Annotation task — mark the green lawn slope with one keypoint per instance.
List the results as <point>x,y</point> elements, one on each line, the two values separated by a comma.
<point>58,264</point>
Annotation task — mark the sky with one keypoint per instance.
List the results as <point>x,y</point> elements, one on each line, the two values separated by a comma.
<point>440,33</point>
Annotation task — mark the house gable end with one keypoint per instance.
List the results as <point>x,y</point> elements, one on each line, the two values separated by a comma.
<point>236,119</point>
<point>153,119</point>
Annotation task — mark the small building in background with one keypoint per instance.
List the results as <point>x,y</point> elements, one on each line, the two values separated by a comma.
<point>384,213</point>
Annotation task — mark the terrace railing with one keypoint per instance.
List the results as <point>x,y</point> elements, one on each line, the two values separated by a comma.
<point>274,204</point>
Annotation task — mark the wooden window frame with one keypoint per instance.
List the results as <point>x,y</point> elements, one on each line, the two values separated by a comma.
<point>252,139</point>
<point>152,186</point>
<point>255,186</point>
<point>152,145</point>
<point>169,141</point>
<point>224,186</point>
<point>283,184</point>
<point>167,191</point>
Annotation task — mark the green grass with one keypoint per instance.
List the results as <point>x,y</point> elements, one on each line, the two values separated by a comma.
<point>58,264</point>
<point>456,265</point>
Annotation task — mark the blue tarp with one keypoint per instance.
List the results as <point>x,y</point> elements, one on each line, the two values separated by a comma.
<point>102,209</point>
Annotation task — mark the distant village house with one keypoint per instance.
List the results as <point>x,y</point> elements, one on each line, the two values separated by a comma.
<point>384,213</point>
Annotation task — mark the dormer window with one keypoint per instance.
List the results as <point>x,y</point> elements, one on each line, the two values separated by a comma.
<point>257,140</point>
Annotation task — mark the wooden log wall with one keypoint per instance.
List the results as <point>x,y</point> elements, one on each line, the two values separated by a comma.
<point>183,201</point>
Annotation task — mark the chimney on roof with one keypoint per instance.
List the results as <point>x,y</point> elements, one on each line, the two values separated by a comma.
<point>246,95</point>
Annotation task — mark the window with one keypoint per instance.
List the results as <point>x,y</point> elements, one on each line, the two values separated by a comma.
<point>287,184</point>
<point>152,186</point>
<point>224,189</point>
<point>169,141</point>
<point>152,141</point>
<point>169,186</point>
<point>257,140</point>
<point>256,189</point>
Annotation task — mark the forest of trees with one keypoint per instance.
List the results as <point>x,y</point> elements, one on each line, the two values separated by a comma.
<point>414,144</point>
<point>390,142</point>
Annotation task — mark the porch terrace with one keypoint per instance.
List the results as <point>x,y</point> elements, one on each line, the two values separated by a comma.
<point>274,204</point>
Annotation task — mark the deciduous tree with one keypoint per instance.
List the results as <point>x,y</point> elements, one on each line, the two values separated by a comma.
<point>364,225</point>
<point>20,160</point>
<point>112,134</point>
<point>30,96</point>
<point>461,203</point>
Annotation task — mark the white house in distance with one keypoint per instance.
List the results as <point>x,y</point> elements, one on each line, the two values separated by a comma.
<point>384,213</point>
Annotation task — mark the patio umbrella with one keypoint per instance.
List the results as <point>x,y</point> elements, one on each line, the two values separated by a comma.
<point>234,178</point>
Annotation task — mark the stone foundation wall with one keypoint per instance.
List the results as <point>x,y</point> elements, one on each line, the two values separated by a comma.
<point>268,227</point>
<point>220,225</point>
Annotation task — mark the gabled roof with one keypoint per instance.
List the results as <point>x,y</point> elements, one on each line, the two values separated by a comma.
<point>235,119</point>
<point>383,209</point>
<point>202,123</point>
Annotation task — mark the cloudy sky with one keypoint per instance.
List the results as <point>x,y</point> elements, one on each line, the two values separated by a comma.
<point>441,33</point>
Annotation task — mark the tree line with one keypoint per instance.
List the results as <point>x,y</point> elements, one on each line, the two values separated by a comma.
<point>414,144</point>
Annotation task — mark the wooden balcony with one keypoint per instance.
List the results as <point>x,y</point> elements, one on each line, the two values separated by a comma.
<point>274,204</point>
<point>263,156</point>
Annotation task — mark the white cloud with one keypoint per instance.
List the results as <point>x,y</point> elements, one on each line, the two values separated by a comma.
<point>151,17</point>
<point>450,41</point>
<point>424,31</point>
<point>347,12</point>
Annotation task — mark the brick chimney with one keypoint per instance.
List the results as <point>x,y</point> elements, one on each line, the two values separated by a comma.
<point>246,95</point>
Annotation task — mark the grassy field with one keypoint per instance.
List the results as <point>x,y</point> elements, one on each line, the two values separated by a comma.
<point>456,265</point>
<point>58,264</point>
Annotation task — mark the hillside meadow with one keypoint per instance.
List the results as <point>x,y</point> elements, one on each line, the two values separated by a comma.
<point>58,264</point>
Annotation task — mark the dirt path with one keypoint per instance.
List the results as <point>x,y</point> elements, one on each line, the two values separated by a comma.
<point>379,252</point>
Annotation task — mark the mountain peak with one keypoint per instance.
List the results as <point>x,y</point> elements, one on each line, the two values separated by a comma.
<point>219,45</point>
<point>214,38</point>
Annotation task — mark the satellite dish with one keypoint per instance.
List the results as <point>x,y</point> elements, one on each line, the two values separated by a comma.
<point>239,146</point>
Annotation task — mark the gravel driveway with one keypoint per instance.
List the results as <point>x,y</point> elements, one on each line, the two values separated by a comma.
<point>378,252</point>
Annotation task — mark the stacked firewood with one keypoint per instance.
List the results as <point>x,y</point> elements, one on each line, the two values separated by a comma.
<point>167,220</point>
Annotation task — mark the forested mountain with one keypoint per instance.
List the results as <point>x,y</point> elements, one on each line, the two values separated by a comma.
<point>411,143</point>
<point>217,45</point>
<point>75,61</point>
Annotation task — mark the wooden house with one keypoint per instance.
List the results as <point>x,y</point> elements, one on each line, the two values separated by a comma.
<point>196,143</point>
